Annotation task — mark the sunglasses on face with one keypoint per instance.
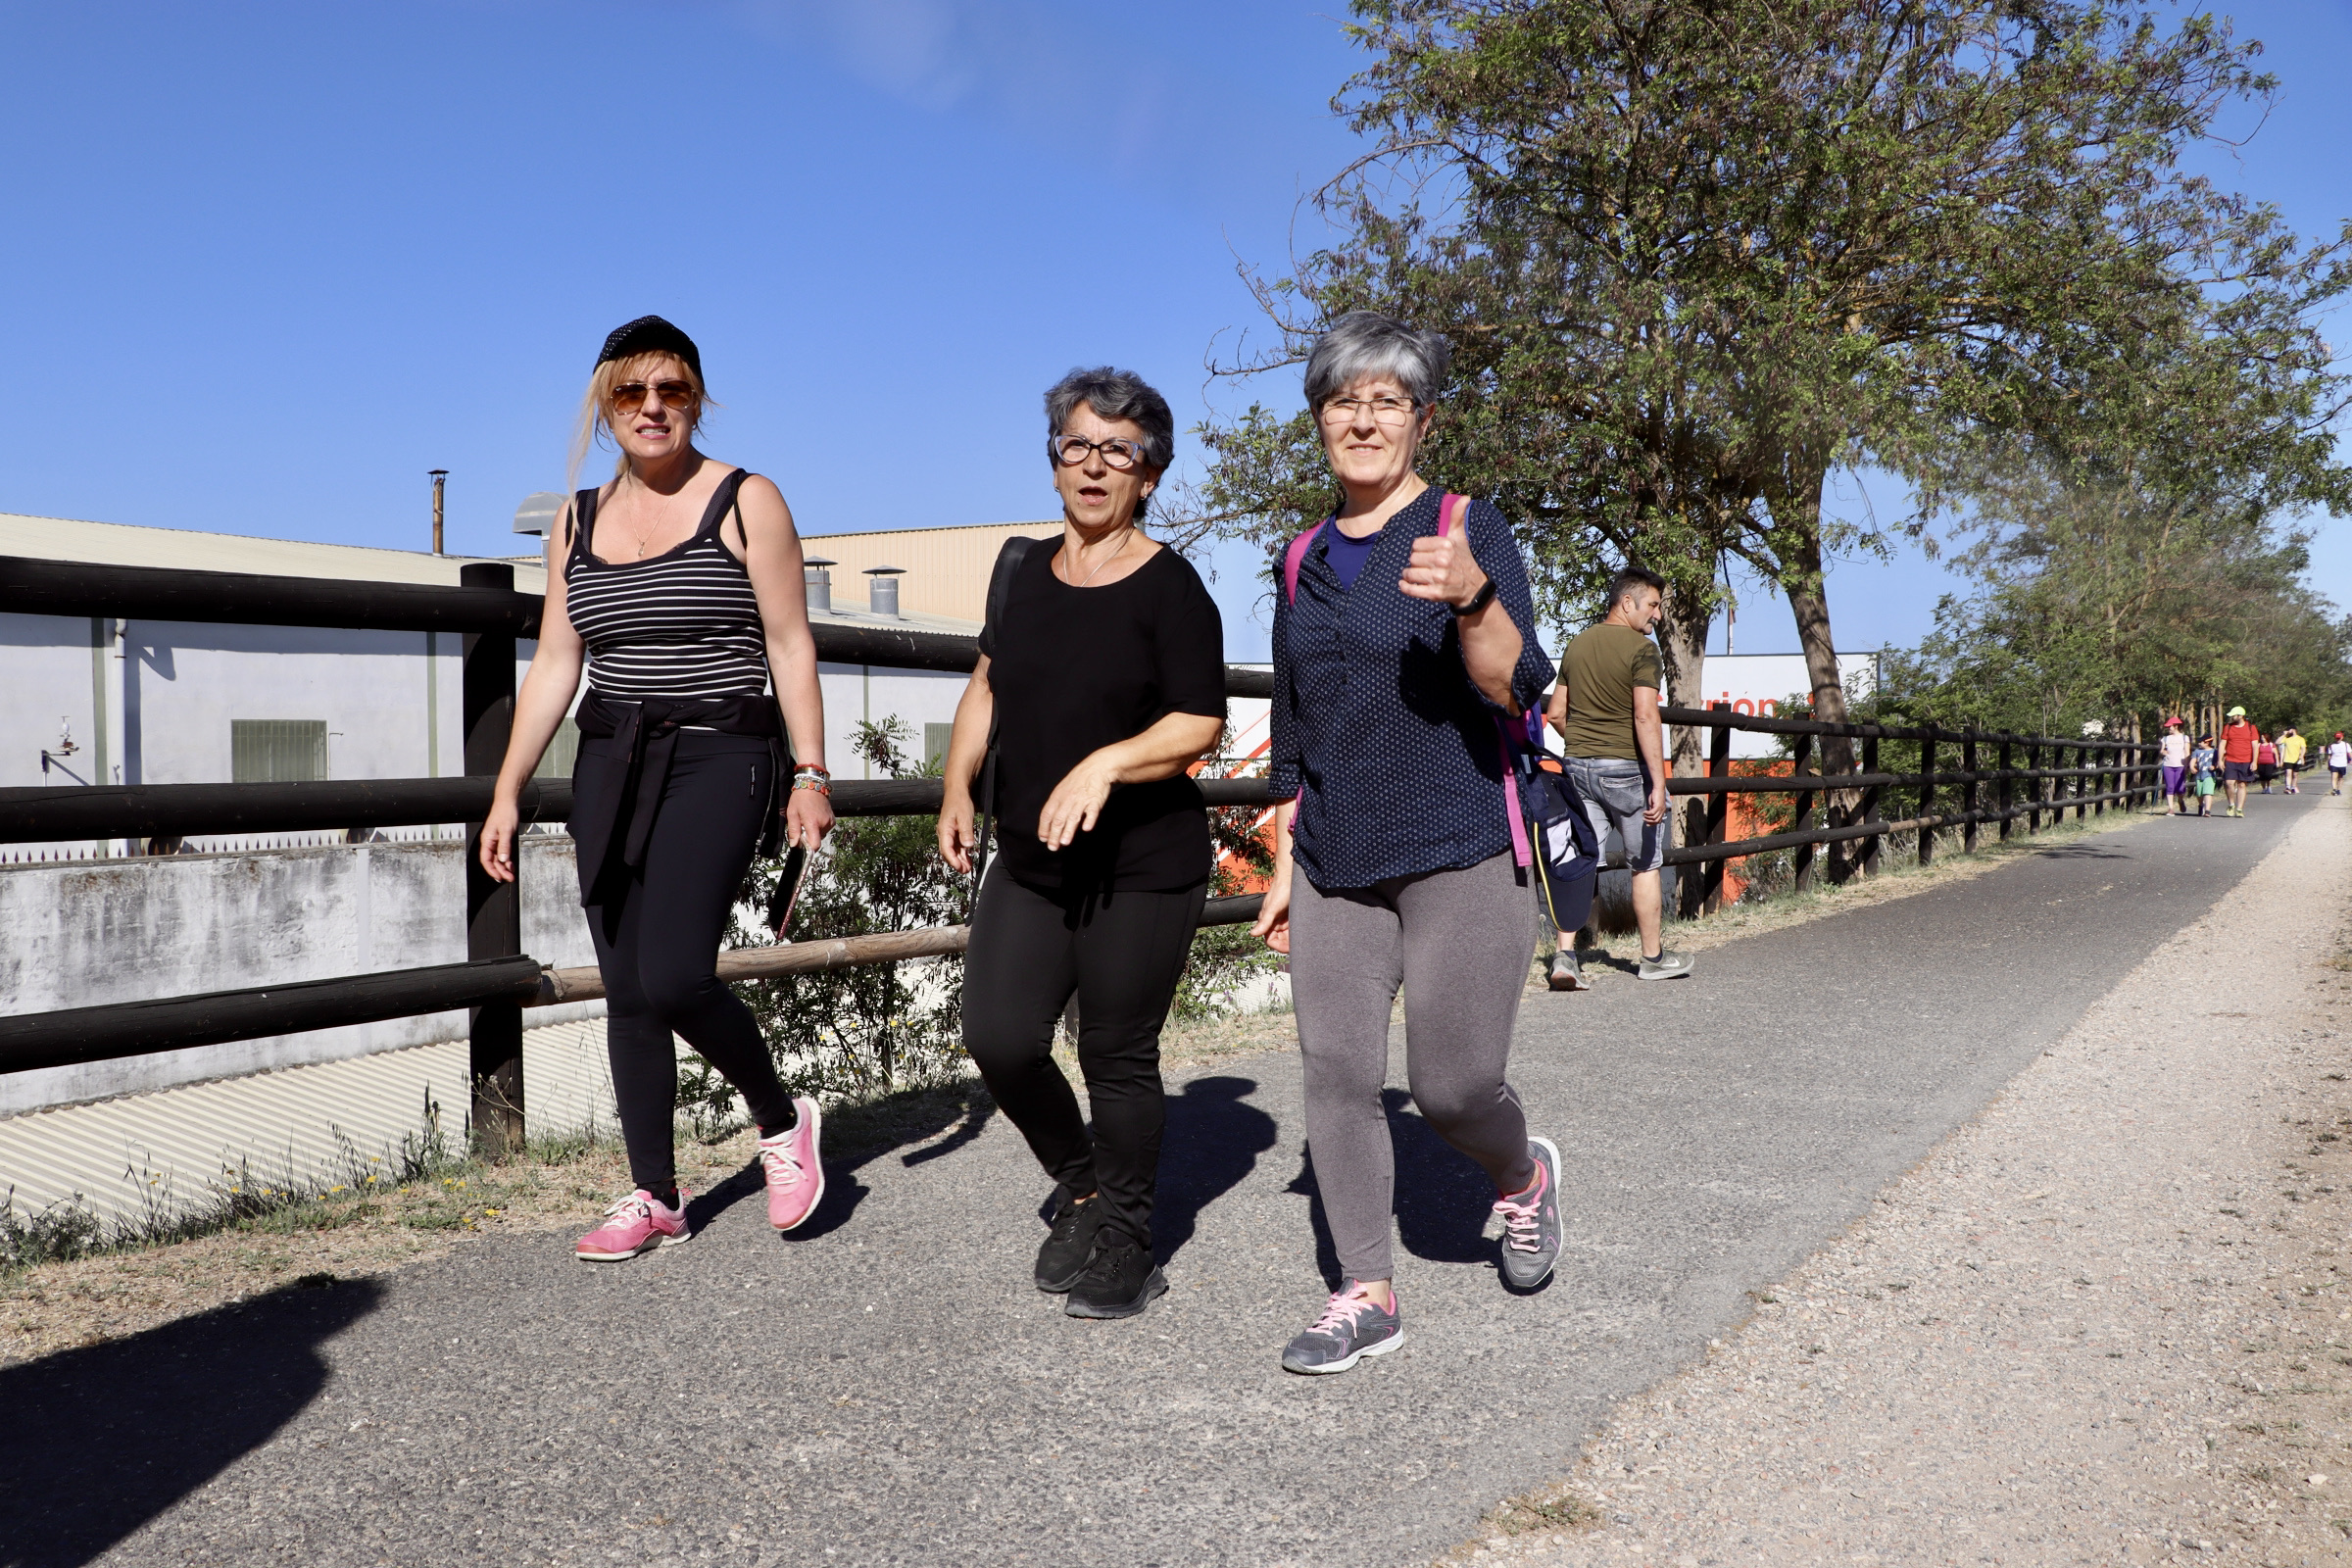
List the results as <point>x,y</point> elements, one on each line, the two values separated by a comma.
<point>1071,449</point>
<point>630,395</point>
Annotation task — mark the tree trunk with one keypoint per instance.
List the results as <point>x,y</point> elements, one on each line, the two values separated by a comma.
<point>1682,658</point>
<point>1796,538</point>
<point>1808,597</point>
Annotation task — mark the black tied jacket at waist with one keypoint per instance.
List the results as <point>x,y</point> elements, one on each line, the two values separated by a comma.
<point>627,788</point>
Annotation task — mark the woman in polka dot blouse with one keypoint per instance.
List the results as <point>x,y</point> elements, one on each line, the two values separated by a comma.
<point>1403,630</point>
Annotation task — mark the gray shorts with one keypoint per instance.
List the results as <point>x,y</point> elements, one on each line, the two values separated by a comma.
<point>1615,793</point>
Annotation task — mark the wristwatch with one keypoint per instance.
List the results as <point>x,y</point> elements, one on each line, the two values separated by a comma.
<point>1477,601</point>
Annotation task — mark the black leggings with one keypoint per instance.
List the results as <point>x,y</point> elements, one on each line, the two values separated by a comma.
<point>657,934</point>
<point>1122,953</point>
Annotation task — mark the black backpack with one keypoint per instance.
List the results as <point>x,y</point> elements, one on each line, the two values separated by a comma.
<point>1000,589</point>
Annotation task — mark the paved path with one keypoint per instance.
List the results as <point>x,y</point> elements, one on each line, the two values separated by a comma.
<point>889,1390</point>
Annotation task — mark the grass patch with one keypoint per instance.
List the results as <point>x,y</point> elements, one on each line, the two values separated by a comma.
<point>423,1185</point>
<point>1545,1512</point>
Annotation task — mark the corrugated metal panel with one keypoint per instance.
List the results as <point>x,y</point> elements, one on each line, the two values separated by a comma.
<point>293,1125</point>
<point>947,569</point>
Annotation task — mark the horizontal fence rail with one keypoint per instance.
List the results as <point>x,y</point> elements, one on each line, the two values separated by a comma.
<point>252,598</point>
<point>1833,809</point>
<point>43,814</point>
<point>76,1034</point>
<point>174,1024</point>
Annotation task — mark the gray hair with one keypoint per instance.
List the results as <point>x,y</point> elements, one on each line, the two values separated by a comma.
<point>1116,395</point>
<point>1365,343</point>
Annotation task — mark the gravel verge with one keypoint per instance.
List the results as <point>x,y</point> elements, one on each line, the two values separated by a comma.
<point>2107,1321</point>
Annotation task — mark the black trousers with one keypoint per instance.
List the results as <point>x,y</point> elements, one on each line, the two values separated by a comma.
<point>657,934</point>
<point>1121,953</point>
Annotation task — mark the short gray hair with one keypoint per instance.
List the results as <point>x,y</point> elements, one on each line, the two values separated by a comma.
<point>1365,343</point>
<point>1115,395</point>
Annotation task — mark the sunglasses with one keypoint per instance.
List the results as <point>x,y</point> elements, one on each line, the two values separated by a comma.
<point>673,394</point>
<point>1071,449</point>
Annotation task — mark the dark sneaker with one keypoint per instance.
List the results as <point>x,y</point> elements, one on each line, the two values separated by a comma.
<point>1121,1280</point>
<point>1531,1220</point>
<point>1350,1329</point>
<point>1069,1244</point>
<point>1568,971</point>
<point>1666,965</point>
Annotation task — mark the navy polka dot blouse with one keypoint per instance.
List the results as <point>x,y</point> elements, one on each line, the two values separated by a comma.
<point>1393,754</point>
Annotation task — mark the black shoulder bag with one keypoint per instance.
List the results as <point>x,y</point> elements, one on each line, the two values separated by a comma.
<point>1000,589</point>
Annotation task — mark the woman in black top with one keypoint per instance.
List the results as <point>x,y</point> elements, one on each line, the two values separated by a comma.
<point>677,586</point>
<point>1103,678</point>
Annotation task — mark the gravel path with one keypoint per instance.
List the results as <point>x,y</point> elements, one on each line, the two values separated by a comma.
<point>884,1387</point>
<point>2103,1323</point>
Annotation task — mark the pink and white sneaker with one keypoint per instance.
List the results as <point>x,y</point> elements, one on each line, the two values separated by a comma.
<point>637,1223</point>
<point>795,1178</point>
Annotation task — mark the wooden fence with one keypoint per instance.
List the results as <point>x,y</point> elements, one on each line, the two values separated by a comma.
<point>497,980</point>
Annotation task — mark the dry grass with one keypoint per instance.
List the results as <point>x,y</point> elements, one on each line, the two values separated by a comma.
<point>1781,910</point>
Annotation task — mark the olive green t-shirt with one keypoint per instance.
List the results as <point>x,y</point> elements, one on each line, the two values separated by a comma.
<point>1601,668</point>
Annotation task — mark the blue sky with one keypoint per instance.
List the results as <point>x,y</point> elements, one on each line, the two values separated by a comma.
<point>281,259</point>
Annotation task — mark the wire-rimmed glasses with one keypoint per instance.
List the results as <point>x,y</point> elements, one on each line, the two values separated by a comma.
<point>1387,409</point>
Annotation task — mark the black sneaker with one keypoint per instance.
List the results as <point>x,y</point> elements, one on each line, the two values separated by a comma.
<point>1069,1244</point>
<point>1121,1280</point>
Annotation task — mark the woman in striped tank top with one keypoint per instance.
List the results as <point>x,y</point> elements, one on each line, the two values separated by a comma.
<point>679,584</point>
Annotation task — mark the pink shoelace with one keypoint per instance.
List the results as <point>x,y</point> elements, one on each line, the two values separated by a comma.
<point>1341,1312</point>
<point>634,1206</point>
<point>1521,1222</point>
<point>776,1161</point>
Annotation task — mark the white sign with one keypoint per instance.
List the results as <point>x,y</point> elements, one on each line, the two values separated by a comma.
<point>1757,685</point>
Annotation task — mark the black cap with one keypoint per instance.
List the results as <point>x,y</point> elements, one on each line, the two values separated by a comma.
<point>650,334</point>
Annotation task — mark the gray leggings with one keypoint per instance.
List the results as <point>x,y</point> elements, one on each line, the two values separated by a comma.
<point>1459,943</point>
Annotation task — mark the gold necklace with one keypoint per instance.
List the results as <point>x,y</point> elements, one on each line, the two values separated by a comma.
<point>1106,560</point>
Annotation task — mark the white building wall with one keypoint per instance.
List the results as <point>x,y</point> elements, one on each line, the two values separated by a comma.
<point>84,935</point>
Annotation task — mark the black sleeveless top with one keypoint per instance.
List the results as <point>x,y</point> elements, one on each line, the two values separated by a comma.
<point>682,623</point>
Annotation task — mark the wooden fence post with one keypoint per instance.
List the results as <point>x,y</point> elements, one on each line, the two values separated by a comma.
<point>1804,817</point>
<point>2006,793</point>
<point>2081,791</point>
<point>2034,800</point>
<point>1719,808</point>
<point>1870,807</point>
<point>1968,792</point>
<point>493,910</point>
<point>1926,794</point>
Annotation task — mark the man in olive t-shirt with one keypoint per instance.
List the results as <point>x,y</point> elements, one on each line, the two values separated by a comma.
<point>1607,711</point>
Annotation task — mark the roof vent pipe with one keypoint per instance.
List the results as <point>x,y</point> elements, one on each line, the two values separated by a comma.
<point>882,598</point>
<point>820,583</point>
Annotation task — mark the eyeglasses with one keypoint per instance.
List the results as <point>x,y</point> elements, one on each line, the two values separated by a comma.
<point>1385,409</point>
<point>632,394</point>
<point>1071,449</point>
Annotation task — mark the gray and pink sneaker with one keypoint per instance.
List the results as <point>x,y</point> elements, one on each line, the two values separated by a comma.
<point>637,1223</point>
<point>795,1178</point>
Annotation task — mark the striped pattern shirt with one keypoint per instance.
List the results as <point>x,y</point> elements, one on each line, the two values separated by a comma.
<point>682,623</point>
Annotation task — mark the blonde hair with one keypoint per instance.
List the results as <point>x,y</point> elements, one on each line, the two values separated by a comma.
<point>595,407</point>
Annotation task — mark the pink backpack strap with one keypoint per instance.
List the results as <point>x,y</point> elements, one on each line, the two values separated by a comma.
<point>1451,508</point>
<point>1293,558</point>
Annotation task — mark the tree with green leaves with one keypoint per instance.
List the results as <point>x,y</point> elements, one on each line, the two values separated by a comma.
<point>1695,256</point>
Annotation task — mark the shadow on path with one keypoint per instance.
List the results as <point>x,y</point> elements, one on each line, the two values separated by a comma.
<point>97,1442</point>
<point>855,1139</point>
<point>1440,1199</point>
<point>1211,1145</point>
